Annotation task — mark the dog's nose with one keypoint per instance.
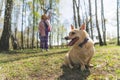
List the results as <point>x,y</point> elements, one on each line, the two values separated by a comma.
<point>66,38</point>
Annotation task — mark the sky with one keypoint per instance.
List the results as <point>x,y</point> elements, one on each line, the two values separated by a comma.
<point>66,12</point>
<point>109,12</point>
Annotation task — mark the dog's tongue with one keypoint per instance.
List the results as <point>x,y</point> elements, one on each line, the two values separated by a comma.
<point>72,41</point>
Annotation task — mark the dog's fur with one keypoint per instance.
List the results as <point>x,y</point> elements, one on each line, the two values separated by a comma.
<point>79,55</point>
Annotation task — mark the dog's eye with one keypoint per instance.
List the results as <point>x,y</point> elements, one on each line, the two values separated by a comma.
<point>72,33</point>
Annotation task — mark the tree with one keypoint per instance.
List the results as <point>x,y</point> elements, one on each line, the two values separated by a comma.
<point>118,34</point>
<point>78,12</point>
<point>33,32</point>
<point>87,18</point>
<point>1,6</point>
<point>4,41</point>
<point>28,30</point>
<point>103,23</point>
<point>22,26</point>
<point>15,22</point>
<point>90,13</point>
<point>97,25</point>
<point>74,13</point>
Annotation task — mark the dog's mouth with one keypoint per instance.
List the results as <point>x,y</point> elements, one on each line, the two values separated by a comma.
<point>72,42</point>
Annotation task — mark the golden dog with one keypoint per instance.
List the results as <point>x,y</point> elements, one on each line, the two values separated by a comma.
<point>82,48</point>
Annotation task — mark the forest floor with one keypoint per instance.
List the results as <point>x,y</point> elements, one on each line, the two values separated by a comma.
<point>35,65</point>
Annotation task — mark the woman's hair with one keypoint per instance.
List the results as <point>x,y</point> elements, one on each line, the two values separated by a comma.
<point>44,16</point>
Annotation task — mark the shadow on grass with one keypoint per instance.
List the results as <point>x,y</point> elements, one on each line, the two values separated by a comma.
<point>31,55</point>
<point>74,74</point>
<point>20,51</point>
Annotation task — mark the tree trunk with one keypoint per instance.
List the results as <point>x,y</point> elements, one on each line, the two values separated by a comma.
<point>87,20</point>
<point>74,13</point>
<point>14,42</point>
<point>4,41</point>
<point>33,24</point>
<point>90,13</point>
<point>97,25</point>
<point>22,27</point>
<point>103,23</point>
<point>58,37</point>
<point>118,35</point>
<point>50,39</point>
<point>78,13</point>
<point>28,31</point>
<point>1,6</point>
<point>36,19</point>
<point>37,42</point>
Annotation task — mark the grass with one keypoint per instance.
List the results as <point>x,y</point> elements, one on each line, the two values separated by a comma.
<point>36,65</point>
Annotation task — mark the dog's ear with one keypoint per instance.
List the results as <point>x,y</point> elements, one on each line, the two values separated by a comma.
<point>72,27</point>
<point>83,27</point>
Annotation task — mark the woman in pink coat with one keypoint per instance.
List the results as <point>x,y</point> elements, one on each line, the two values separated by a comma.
<point>44,29</point>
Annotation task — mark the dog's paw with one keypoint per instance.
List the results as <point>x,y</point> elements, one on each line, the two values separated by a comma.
<point>62,66</point>
<point>71,67</point>
<point>83,68</point>
<point>91,65</point>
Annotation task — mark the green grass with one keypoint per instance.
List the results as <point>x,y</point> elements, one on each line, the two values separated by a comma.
<point>36,65</point>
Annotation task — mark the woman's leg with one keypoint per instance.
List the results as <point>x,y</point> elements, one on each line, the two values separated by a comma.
<point>42,42</point>
<point>46,42</point>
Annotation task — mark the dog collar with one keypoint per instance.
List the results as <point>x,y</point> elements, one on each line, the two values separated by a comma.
<point>85,41</point>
